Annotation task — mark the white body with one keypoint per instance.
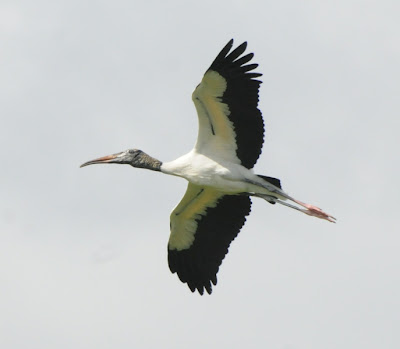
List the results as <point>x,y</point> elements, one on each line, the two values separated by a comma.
<point>219,174</point>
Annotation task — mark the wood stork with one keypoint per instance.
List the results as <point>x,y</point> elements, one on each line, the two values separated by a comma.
<point>218,169</point>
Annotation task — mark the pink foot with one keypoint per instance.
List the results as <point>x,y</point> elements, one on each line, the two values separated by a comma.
<point>316,212</point>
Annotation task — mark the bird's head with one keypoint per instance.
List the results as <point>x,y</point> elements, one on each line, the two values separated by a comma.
<point>133,157</point>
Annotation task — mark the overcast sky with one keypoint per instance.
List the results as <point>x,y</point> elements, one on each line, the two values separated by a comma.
<point>83,252</point>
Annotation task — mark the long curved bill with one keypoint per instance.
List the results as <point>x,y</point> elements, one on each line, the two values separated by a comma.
<point>103,160</point>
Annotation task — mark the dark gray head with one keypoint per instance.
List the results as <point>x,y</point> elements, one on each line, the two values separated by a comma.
<point>133,157</point>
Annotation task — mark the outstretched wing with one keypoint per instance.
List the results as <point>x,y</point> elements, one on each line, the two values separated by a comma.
<point>230,124</point>
<point>203,225</point>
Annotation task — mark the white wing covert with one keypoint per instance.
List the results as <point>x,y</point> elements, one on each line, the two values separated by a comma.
<point>203,225</point>
<point>230,124</point>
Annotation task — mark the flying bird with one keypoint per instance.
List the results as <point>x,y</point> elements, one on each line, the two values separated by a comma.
<point>218,169</point>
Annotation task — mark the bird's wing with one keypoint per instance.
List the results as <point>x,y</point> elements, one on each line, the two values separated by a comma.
<point>203,225</point>
<point>230,124</point>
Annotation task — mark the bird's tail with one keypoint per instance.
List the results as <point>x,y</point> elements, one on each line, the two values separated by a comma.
<point>274,181</point>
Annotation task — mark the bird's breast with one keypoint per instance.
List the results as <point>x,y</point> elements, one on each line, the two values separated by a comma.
<point>203,171</point>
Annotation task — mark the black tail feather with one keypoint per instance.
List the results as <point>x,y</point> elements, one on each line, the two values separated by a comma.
<point>274,181</point>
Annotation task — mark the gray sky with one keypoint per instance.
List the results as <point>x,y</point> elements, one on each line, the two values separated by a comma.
<point>83,256</point>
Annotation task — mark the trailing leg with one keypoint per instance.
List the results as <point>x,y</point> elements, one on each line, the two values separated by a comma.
<point>273,186</point>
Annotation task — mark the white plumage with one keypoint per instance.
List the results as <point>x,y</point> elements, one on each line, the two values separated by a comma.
<point>218,169</point>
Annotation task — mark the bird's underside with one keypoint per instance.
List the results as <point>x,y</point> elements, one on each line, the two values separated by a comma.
<point>218,169</point>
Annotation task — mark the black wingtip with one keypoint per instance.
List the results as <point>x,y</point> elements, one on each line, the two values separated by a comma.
<point>232,63</point>
<point>224,51</point>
